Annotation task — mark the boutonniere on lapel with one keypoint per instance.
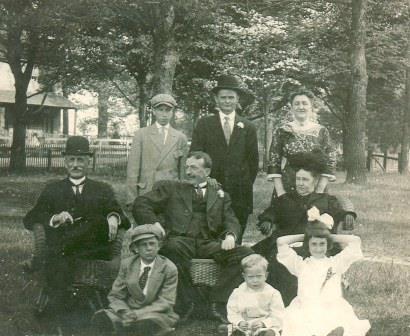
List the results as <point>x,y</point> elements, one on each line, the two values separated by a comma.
<point>240,124</point>
<point>220,193</point>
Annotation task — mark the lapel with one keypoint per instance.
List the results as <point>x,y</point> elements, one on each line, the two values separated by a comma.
<point>67,188</point>
<point>155,280</point>
<point>86,187</point>
<point>211,198</point>
<point>133,280</point>
<point>236,132</point>
<point>219,132</point>
<point>185,191</point>
<point>170,142</point>
<point>155,138</point>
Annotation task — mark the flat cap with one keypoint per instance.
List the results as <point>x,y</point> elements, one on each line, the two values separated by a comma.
<point>163,99</point>
<point>146,231</point>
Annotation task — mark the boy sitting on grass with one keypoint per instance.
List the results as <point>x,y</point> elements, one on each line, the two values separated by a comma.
<point>255,308</point>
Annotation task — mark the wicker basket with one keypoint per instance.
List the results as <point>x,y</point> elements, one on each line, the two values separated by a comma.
<point>204,272</point>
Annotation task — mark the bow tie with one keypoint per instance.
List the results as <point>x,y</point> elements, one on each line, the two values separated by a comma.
<point>197,187</point>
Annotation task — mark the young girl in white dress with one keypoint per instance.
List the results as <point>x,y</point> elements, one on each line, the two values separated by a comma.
<point>319,308</point>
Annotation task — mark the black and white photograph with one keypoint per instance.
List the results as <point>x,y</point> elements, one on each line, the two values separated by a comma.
<point>204,167</point>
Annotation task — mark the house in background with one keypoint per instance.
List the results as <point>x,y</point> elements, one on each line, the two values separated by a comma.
<point>51,114</point>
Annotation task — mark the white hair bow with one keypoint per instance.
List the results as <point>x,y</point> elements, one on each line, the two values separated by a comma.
<point>314,215</point>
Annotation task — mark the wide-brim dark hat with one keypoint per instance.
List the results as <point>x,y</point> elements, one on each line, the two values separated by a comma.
<point>77,145</point>
<point>229,82</point>
<point>313,161</point>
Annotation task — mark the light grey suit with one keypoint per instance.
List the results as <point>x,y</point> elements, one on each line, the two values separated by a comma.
<point>150,160</point>
<point>157,304</point>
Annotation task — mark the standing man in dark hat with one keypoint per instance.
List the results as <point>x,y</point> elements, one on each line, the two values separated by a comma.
<point>81,218</point>
<point>231,142</point>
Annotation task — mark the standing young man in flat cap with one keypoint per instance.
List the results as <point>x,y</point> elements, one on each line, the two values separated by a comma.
<point>81,218</point>
<point>142,298</point>
<point>232,144</point>
<point>158,151</point>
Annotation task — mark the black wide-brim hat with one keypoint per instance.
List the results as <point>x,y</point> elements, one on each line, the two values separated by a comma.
<point>77,145</point>
<point>229,82</point>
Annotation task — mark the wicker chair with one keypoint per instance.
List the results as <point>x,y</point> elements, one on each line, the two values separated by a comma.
<point>204,272</point>
<point>92,277</point>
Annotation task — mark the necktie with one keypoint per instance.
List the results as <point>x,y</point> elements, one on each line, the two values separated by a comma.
<point>162,134</point>
<point>77,190</point>
<point>144,277</point>
<point>198,192</point>
<point>227,130</point>
<point>76,187</point>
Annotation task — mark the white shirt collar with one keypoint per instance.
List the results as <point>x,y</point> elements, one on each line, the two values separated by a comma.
<point>77,181</point>
<point>203,184</point>
<point>159,125</point>
<point>143,264</point>
<point>231,115</point>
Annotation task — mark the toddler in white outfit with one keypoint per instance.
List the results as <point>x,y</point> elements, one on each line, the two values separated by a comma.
<point>255,308</point>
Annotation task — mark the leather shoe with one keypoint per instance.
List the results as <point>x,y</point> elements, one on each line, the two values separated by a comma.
<point>188,313</point>
<point>216,314</point>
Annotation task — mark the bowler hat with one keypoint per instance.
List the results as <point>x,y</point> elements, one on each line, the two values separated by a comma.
<point>163,99</point>
<point>230,82</point>
<point>145,231</point>
<point>77,145</point>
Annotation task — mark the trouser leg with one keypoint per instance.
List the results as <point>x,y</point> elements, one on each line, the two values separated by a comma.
<point>266,247</point>
<point>242,217</point>
<point>180,250</point>
<point>231,272</point>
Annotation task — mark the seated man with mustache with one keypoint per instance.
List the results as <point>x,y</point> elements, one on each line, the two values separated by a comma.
<point>81,218</point>
<point>199,223</point>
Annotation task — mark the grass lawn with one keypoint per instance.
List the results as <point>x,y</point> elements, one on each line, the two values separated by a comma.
<point>379,290</point>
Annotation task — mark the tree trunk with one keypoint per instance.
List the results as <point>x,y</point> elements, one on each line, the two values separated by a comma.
<point>267,106</point>
<point>405,139</point>
<point>142,101</point>
<point>65,113</point>
<point>103,97</point>
<point>22,74</point>
<point>166,55</point>
<point>355,133</point>
<point>18,147</point>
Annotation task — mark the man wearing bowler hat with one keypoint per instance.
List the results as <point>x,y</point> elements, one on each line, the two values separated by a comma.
<point>158,151</point>
<point>81,218</point>
<point>142,298</point>
<point>231,142</point>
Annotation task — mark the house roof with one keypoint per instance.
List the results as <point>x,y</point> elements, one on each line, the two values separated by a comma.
<point>51,99</point>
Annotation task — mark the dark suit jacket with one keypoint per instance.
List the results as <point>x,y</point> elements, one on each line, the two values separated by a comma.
<point>289,211</point>
<point>174,200</point>
<point>159,301</point>
<point>235,165</point>
<point>87,237</point>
